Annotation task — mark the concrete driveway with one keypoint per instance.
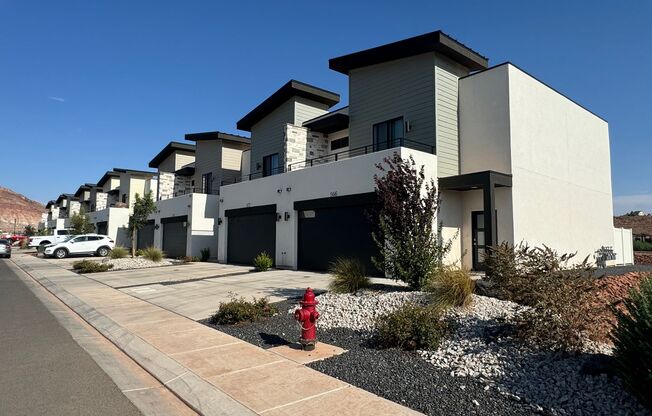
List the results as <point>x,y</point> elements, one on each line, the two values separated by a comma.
<point>195,290</point>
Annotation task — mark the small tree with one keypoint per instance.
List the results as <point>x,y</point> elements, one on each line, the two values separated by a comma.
<point>81,223</point>
<point>29,230</point>
<point>143,208</point>
<point>411,247</point>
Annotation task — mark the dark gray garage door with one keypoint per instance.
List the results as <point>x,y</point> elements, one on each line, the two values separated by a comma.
<point>336,227</point>
<point>102,227</point>
<point>250,231</point>
<point>175,236</point>
<point>146,236</point>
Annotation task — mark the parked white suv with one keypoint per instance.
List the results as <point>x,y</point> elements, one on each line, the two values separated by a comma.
<point>97,244</point>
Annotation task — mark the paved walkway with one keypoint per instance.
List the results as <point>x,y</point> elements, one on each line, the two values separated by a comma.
<point>213,372</point>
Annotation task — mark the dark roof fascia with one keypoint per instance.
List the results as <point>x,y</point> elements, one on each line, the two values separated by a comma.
<point>135,172</point>
<point>329,122</point>
<point>436,41</point>
<point>168,150</point>
<point>536,79</point>
<point>475,180</point>
<point>217,135</point>
<point>291,89</point>
<point>50,203</point>
<point>106,177</point>
<point>185,171</point>
<point>81,189</point>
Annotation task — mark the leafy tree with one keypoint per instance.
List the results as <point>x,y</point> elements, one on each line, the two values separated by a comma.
<point>143,208</point>
<point>81,223</point>
<point>29,230</point>
<point>409,241</point>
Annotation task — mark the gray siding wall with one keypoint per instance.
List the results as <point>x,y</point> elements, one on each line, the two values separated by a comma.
<point>208,159</point>
<point>267,136</point>
<point>307,109</point>
<point>400,88</point>
<point>447,74</point>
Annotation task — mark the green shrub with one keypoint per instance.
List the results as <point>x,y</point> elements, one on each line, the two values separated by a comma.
<point>450,287</point>
<point>632,338</point>
<point>139,252</point>
<point>188,259</point>
<point>89,266</point>
<point>263,262</point>
<point>411,327</point>
<point>205,254</point>
<point>349,276</point>
<point>152,253</point>
<point>642,246</point>
<point>241,310</point>
<point>118,252</point>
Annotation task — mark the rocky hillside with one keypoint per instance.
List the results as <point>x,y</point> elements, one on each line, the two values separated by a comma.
<point>14,206</point>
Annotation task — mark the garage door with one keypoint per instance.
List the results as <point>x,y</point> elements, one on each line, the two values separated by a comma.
<point>146,236</point>
<point>250,231</point>
<point>102,227</point>
<point>175,235</point>
<point>336,227</point>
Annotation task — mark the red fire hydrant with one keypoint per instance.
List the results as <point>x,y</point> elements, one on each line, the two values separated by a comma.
<point>307,317</point>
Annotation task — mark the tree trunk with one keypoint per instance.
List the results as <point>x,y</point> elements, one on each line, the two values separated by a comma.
<point>133,243</point>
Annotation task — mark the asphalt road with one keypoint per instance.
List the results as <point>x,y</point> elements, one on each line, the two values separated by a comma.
<point>43,371</point>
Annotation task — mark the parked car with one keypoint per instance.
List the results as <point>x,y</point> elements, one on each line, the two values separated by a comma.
<point>12,237</point>
<point>96,244</point>
<point>5,248</point>
<point>43,240</point>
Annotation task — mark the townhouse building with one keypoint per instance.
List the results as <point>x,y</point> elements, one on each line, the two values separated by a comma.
<point>514,159</point>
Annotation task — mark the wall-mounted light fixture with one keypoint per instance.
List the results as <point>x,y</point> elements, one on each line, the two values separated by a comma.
<point>157,226</point>
<point>288,189</point>
<point>278,216</point>
<point>221,200</point>
<point>279,190</point>
<point>185,224</point>
<point>219,221</point>
<point>258,166</point>
<point>287,215</point>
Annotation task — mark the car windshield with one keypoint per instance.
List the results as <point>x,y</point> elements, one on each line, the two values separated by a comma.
<point>4,242</point>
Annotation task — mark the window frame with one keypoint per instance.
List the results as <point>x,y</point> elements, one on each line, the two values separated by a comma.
<point>390,142</point>
<point>207,183</point>
<point>339,141</point>
<point>273,170</point>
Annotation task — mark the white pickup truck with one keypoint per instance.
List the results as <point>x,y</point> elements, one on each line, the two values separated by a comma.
<point>44,240</point>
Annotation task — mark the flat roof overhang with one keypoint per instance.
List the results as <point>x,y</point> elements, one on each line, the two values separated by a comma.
<point>329,123</point>
<point>475,180</point>
<point>436,41</point>
<point>217,135</point>
<point>168,150</point>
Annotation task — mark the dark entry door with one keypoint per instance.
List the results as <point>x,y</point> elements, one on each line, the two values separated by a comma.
<point>477,236</point>
<point>175,236</point>
<point>336,227</point>
<point>146,236</point>
<point>249,233</point>
<point>102,227</point>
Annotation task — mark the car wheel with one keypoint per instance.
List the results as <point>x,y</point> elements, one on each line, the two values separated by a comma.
<point>102,251</point>
<point>60,253</point>
<point>9,256</point>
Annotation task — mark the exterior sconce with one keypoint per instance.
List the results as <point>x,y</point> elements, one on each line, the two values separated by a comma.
<point>157,226</point>
<point>185,224</point>
<point>288,189</point>
<point>279,190</point>
<point>287,215</point>
<point>221,199</point>
<point>258,166</point>
<point>219,221</point>
<point>278,216</point>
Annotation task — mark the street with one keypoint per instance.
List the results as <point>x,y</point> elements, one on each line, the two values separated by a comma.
<point>44,371</point>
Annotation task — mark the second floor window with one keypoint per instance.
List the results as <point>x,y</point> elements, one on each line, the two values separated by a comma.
<point>270,165</point>
<point>388,134</point>
<point>339,143</point>
<point>207,182</point>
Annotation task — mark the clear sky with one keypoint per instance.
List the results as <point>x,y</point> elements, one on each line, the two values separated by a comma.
<point>86,86</point>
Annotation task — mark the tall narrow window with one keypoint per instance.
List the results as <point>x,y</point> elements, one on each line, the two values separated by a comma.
<point>388,134</point>
<point>207,183</point>
<point>270,165</point>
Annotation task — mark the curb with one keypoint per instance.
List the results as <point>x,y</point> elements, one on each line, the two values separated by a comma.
<point>201,396</point>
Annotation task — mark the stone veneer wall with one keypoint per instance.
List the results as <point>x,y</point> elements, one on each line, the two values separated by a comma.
<point>166,182</point>
<point>74,208</point>
<point>100,201</point>
<point>182,185</point>
<point>301,144</point>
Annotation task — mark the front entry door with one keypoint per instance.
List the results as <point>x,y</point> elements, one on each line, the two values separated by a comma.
<point>477,235</point>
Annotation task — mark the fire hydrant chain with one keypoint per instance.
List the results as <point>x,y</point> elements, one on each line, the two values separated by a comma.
<point>307,317</point>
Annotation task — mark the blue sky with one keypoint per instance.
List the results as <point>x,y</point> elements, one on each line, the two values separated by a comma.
<point>90,85</point>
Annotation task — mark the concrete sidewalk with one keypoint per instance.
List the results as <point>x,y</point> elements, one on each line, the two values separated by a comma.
<point>212,372</point>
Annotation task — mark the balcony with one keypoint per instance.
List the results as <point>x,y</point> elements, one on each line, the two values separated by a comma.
<point>338,156</point>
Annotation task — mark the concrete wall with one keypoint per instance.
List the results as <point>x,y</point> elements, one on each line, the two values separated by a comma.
<point>202,212</point>
<point>117,224</point>
<point>332,179</point>
<point>557,152</point>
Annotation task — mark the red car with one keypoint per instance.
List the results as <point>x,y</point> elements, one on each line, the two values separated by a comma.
<point>12,238</point>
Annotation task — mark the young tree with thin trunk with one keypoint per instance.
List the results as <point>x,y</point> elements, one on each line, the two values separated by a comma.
<point>81,223</point>
<point>143,208</point>
<point>408,238</point>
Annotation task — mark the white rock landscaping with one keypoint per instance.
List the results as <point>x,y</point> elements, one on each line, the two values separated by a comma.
<point>129,263</point>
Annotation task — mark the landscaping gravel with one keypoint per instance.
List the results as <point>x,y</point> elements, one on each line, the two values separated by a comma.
<point>129,263</point>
